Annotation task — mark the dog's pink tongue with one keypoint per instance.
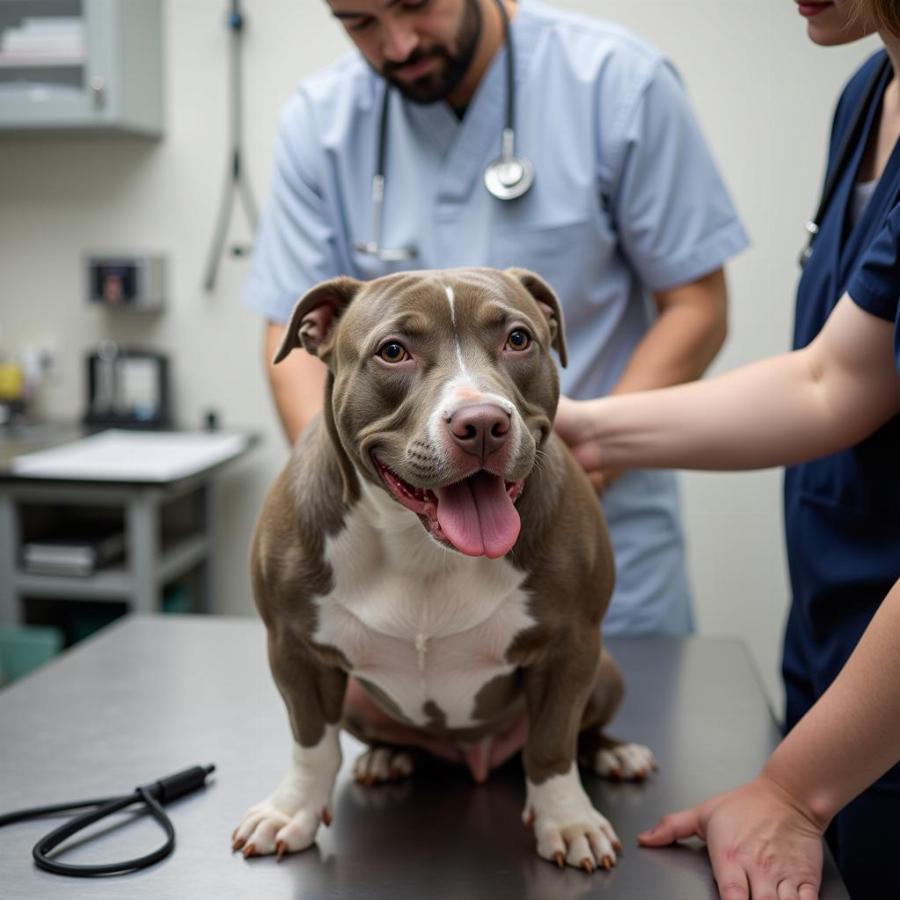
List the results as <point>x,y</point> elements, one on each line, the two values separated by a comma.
<point>478,517</point>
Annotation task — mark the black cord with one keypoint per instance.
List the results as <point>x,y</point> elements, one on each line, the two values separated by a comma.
<point>151,795</point>
<point>236,181</point>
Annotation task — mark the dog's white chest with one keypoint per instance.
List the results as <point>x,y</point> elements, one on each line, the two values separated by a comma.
<point>426,626</point>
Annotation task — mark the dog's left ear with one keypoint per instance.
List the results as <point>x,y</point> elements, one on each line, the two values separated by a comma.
<point>316,315</point>
<point>550,307</point>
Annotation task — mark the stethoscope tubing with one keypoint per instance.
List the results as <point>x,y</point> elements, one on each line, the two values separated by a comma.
<point>843,155</point>
<point>495,178</point>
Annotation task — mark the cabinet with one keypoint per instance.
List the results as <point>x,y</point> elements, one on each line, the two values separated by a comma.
<point>81,65</point>
<point>167,534</point>
<point>167,522</point>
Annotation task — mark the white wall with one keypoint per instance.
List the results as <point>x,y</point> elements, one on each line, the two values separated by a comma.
<point>762,92</point>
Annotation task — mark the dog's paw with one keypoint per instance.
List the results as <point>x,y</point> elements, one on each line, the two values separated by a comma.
<point>380,764</point>
<point>624,762</point>
<point>569,831</point>
<point>614,759</point>
<point>269,829</point>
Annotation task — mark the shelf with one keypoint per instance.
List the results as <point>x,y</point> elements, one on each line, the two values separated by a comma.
<point>114,582</point>
<point>182,556</point>
<point>50,62</point>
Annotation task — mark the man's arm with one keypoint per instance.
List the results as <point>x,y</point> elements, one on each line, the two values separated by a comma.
<point>684,340</point>
<point>297,383</point>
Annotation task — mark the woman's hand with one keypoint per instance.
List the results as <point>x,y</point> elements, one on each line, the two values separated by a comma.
<point>575,424</point>
<point>761,842</point>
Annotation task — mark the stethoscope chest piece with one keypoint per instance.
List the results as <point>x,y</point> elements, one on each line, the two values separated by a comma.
<point>509,178</point>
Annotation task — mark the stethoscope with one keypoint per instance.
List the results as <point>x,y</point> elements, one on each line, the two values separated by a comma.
<point>842,159</point>
<point>507,177</point>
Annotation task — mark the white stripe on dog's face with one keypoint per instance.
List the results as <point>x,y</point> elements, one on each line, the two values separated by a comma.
<point>462,388</point>
<point>451,299</point>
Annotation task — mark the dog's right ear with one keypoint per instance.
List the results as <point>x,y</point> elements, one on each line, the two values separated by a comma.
<point>315,316</point>
<point>550,307</point>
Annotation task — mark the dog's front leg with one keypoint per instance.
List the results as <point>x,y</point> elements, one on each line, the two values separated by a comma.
<point>289,818</point>
<point>567,827</point>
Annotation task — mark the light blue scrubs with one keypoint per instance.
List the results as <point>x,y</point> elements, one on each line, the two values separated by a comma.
<point>626,200</point>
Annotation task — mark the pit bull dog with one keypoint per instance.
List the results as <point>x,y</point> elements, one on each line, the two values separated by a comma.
<point>432,566</point>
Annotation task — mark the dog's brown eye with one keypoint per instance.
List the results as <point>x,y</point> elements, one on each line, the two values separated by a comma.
<point>393,352</point>
<point>518,340</point>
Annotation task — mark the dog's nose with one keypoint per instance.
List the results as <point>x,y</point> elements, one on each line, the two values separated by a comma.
<point>480,429</point>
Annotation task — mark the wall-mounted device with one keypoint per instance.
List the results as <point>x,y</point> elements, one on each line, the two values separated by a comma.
<point>127,387</point>
<point>126,281</point>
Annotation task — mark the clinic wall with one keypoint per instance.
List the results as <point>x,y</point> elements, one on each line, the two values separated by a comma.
<point>764,96</point>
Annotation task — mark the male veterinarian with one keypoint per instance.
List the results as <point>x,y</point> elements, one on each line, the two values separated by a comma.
<point>388,160</point>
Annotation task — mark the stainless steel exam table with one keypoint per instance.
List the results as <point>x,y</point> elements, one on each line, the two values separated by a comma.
<point>154,694</point>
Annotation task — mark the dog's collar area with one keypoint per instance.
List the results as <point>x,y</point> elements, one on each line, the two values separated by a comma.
<point>475,516</point>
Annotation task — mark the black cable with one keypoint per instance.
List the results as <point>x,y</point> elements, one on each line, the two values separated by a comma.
<point>236,181</point>
<point>150,795</point>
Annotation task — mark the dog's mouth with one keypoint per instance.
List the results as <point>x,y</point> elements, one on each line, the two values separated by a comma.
<point>476,516</point>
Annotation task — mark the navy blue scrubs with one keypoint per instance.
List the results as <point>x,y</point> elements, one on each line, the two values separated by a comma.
<point>842,513</point>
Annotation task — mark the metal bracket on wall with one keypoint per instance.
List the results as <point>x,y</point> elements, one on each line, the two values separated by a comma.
<point>235,179</point>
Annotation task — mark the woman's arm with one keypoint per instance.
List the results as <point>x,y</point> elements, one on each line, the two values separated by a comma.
<point>768,832</point>
<point>780,411</point>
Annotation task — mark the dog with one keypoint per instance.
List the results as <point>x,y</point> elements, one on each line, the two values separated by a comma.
<point>432,566</point>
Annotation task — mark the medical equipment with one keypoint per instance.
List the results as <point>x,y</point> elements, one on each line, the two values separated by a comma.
<point>842,158</point>
<point>235,179</point>
<point>507,177</point>
<point>151,795</point>
<point>132,281</point>
<point>128,387</point>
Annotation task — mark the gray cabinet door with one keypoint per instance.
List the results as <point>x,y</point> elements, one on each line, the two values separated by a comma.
<point>83,65</point>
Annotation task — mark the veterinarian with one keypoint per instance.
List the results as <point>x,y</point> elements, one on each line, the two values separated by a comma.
<point>838,390</point>
<point>627,217</point>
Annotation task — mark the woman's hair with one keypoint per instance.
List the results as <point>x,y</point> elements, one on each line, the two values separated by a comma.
<point>885,13</point>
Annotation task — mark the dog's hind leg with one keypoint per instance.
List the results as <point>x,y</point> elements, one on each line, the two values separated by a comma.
<point>602,754</point>
<point>616,760</point>
<point>393,745</point>
<point>380,764</point>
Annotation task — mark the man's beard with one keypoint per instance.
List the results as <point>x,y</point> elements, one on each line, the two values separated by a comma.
<point>440,83</point>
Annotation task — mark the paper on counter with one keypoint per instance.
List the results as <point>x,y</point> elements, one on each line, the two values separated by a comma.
<point>119,455</point>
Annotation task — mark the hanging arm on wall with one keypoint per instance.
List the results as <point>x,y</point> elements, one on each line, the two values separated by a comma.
<point>235,178</point>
